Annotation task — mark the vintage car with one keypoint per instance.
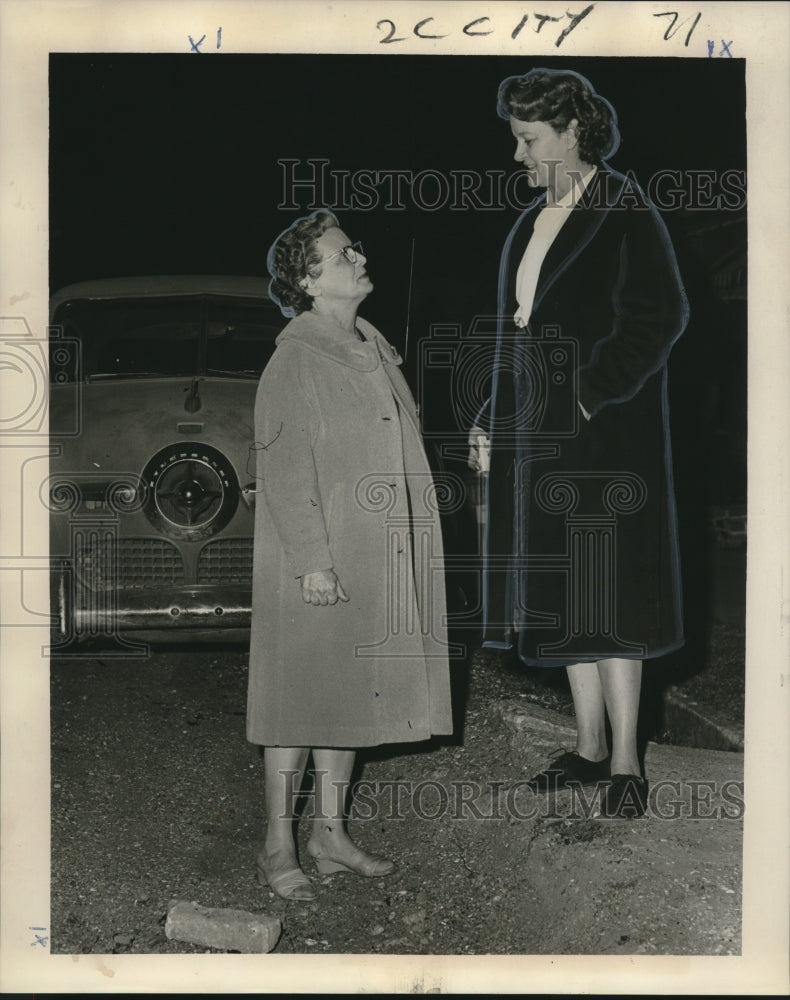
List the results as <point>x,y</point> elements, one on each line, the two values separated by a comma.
<point>152,474</point>
<point>151,484</point>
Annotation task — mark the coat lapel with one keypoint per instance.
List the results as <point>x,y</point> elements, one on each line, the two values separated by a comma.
<point>580,227</point>
<point>390,363</point>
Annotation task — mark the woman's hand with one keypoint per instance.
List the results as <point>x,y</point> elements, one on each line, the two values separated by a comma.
<point>322,587</point>
<point>479,450</point>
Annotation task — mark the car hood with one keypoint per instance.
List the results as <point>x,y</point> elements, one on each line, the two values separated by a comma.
<point>117,425</point>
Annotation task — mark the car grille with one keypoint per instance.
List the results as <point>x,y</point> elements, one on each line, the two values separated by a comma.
<point>129,563</point>
<point>108,563</point>
<point>226,561</point>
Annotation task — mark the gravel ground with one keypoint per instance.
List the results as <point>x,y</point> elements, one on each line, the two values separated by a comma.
<point>156,795</point>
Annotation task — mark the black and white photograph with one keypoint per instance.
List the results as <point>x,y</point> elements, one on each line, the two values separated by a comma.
<point>384,479</point>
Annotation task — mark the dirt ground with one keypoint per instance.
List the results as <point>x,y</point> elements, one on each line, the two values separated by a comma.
<point>156,795</point>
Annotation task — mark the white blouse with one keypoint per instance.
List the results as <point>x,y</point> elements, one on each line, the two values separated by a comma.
<point>549,222</point>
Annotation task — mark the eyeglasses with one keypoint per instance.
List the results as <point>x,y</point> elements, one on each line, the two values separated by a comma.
<point>351,252</point>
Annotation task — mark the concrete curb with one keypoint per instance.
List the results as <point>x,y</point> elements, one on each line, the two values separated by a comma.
<point>698,724</point>
<point>542,731</point>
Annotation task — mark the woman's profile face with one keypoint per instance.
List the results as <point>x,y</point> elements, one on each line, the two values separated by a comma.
<point>542,151</point>
<point>339,278</point>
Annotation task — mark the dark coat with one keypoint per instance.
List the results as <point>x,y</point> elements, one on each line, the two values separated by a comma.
<point>344,480</point>
<point>582,550</point>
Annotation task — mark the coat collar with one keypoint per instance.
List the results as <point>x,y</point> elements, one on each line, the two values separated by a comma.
<point>604,191</point>
<point>326,338</point>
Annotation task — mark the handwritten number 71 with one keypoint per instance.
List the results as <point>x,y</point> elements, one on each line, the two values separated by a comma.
<point>674,26</point>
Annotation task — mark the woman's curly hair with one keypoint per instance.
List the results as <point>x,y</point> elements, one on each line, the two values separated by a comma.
<point>557,97</point>
<point>293,257</point>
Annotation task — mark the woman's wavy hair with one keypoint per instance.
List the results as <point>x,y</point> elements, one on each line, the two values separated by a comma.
<point>293,257</point>
<point>557,97</point>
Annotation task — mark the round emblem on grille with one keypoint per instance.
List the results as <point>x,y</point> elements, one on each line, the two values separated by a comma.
<point>193,490</point>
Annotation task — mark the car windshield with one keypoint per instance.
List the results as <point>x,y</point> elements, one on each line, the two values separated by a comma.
<point>156,337</point>
<point>240,337</point>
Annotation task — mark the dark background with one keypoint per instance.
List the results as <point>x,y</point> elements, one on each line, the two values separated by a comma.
<point>168,164</point>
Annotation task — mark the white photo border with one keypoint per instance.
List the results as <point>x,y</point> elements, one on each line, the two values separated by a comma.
<point>759,32</point>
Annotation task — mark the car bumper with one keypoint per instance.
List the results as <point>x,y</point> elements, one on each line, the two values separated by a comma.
<point>108,612</point>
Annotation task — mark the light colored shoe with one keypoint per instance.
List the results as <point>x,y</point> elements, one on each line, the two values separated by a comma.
<point>290,883</point>
<point>364,864</point>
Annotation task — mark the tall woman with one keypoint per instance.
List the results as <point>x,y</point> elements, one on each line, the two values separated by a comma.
<point>348,645</point>
<point>581,564</point>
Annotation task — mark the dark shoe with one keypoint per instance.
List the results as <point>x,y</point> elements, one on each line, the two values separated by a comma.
<point>569,767</point>
<point>625,798</point>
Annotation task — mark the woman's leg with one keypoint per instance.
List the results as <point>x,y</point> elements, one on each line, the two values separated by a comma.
<point>330,844</point>
<point>332,779</point>
<point>277,865</point>
<point>621,683</point>
<point>588,704</point>
<point>283,769</point>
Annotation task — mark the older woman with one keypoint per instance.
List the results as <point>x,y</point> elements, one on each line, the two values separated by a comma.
<point>581,563</point>
<point>348,645</point>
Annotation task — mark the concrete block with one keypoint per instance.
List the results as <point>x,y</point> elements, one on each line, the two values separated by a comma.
<point>229,930</point>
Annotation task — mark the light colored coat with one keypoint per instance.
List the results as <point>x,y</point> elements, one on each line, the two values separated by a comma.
<point>344,482</point>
